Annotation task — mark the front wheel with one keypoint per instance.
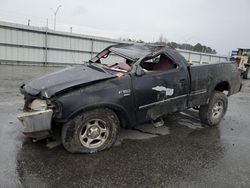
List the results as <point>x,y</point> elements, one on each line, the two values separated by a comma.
<point>91,131</point>
<point>213,112</point>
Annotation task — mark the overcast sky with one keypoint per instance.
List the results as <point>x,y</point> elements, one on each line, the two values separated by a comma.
<point>220,24</point>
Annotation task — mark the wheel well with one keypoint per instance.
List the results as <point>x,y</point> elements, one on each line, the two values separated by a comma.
<point>122,119</point>
<point>121,114</point>
<point>223,86</point>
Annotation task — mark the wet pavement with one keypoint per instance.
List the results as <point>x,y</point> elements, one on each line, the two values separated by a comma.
<point>182,153</point>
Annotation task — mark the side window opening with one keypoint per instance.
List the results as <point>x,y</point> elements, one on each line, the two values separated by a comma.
<point>158,63</point>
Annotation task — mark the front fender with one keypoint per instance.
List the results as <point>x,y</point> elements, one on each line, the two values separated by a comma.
<point>127,119</point>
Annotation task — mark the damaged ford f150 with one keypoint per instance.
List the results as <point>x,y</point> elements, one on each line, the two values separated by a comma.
<point>122,86</point>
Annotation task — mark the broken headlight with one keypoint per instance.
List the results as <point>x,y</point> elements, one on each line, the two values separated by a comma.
<point>38,105</point>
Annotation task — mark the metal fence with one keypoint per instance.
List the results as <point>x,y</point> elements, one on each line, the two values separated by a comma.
<point>202,58</point>
<point>20,44</point>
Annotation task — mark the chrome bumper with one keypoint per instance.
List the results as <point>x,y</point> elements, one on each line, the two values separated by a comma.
<point>36,121</point>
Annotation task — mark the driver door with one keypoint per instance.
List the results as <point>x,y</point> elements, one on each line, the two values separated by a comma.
<point>160,90</point>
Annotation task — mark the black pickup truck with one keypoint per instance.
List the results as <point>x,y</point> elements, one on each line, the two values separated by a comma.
<point>124,85</point>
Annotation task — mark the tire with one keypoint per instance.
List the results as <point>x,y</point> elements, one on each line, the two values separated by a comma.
<point>213,112</point>
<point>246,74</point>
<point>91,131</point>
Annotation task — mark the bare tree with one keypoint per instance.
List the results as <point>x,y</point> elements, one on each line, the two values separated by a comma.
<point>162,40</point>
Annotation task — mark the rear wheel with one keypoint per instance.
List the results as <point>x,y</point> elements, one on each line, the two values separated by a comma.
<point>246,74</point>
<point>213,112</point>
<point>91,131</point>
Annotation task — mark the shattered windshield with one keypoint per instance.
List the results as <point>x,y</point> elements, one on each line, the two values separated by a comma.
<point>121,57</point>
<point>114,62</point>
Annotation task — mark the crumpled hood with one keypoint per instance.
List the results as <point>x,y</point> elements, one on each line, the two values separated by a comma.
<point>53,83</point>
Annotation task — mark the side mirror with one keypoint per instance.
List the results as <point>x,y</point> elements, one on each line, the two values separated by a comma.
<point>139,71</point>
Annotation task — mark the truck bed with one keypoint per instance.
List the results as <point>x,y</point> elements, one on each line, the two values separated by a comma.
<point>203,80</point>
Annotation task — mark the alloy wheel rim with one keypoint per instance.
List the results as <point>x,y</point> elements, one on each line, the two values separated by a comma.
<point>217,109</point>
<point>94,134</point>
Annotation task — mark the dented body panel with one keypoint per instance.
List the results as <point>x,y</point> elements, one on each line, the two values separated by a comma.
<point>69,77</point>
<point>137,95</point>
<point>38,122</point>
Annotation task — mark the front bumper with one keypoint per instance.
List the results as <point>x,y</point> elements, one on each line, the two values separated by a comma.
<point>36,123</point>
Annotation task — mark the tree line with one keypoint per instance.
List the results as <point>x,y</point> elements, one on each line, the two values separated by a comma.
<point>163,41</point>
<point>197,47</point>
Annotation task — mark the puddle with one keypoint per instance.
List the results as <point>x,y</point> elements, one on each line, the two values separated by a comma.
<point>142,132</point>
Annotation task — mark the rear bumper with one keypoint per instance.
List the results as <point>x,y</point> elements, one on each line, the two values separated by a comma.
<point>37,123</point>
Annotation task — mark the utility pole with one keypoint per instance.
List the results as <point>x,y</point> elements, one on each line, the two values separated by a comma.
<point>55,13</point>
